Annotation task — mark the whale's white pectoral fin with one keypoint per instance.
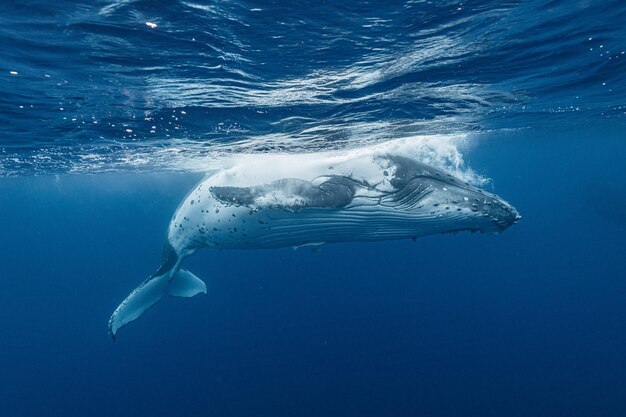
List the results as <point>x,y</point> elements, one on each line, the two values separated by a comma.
<point>311,244</point>
<point>182,284</point>
<point>186,284</point>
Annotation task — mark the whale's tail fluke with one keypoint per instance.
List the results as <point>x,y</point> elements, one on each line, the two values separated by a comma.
<point>175,282</point>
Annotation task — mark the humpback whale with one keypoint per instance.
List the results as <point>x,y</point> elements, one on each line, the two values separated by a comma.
<point>290,201</point>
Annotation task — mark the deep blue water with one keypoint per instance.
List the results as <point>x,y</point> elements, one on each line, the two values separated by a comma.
<point>107,122</point>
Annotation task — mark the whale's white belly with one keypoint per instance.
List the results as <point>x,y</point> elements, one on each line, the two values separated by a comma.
<point>211,223</point>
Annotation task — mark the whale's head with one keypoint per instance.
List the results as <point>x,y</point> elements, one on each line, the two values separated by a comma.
<point>445,202</point>
<point>460,206</point>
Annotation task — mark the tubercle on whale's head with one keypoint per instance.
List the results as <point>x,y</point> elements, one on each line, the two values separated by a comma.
<point>469,208</point>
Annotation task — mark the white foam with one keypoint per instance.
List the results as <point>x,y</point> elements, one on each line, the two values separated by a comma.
<point>441,151</point>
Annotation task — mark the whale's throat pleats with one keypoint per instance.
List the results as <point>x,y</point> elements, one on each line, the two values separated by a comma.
<point>410,196</point>
<point>293,212</point>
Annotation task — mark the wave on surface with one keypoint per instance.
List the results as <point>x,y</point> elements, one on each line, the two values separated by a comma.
<point>137,85</point>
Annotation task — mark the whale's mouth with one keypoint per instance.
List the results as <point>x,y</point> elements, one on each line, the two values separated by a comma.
<point>505,217</point>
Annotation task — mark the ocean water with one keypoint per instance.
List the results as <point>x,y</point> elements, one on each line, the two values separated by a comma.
<point>111,111</point>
